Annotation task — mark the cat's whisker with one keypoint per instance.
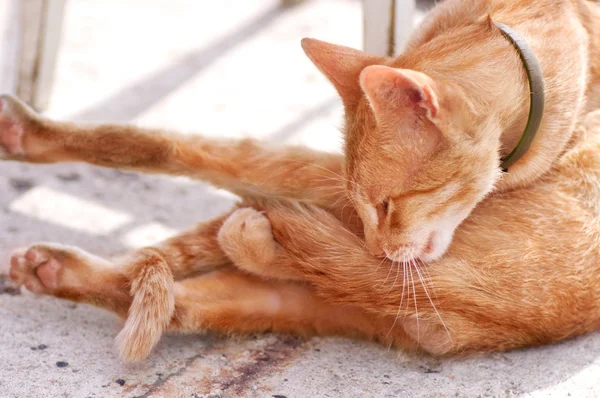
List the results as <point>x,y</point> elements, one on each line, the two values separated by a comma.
<point>322,177</point>
<point>335,190</point>
<point>404,282</point>
<point>397,273</point>
<point>353,213</point>
<point>427,274</point>
<point>401,295</point>
<point>339,200</point>
<point>342,213</point>
<point>349,203</point>
<point>364,245</point>
<point>338,196</point>
<point>388,275</point>
<point>342,178</point>
<point>381,262</point>
<point>397,263</point>
<point>412,280</point>
<point>431,301</point>
<point>258,192</point>
<point>408,297</point>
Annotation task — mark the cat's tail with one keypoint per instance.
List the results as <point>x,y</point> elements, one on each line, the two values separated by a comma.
<point>152,306</point>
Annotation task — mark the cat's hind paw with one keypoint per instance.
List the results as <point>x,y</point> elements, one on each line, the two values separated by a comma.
<point>44,268</point>
<point>35,268</point>
<point>247,238</point>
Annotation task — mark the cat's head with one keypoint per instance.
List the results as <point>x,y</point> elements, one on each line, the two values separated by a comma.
<point>416,166</point>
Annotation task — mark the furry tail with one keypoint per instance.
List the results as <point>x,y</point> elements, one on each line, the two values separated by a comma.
<point>152,307</point>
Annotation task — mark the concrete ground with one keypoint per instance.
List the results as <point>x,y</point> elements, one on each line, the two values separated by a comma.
<point>227,68</point>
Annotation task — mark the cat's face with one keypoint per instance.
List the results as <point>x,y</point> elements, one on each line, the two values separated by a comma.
<point>414,170</point>
<point>412,194</point>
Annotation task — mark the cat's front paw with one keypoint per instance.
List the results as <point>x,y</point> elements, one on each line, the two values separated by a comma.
<point>247,238</point>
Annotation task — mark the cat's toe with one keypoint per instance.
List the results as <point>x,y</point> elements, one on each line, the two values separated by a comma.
<point>255,226</point>
<point>247,224</point>
<point>247,234</point>
<point>17,270</point>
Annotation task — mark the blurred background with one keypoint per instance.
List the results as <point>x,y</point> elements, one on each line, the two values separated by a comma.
<point>227,68</point>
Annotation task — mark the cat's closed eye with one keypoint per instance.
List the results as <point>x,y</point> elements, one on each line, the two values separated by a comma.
<point>383,208</point>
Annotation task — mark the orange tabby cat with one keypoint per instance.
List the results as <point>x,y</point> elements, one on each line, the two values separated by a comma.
<point>424,135</point>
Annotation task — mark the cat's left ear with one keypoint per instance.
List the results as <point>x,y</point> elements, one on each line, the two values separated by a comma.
<point>392,92</point>
<point>341,65</point>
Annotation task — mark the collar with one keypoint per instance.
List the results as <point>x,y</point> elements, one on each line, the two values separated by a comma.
<point>536,96</point>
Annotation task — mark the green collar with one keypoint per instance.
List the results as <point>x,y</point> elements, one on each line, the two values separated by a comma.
<point>536,96</point>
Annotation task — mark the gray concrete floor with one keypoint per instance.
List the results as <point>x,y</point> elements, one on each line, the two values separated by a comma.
<point>228,68</point>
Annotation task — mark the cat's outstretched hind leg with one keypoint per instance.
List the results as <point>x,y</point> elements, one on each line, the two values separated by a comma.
<point>245,167</point>
<point>139,286</point>
<point>142,289</point>
<point>225,301</point>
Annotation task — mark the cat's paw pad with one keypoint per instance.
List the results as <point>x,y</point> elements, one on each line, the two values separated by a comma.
<point>247,234</point>
<point>35,267</point>
<point>11,127</point>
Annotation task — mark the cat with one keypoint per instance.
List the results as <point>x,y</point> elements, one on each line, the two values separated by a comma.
<point>516,254</point>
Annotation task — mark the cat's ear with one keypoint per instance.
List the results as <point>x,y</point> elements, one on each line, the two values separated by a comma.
<point>392,92</point>
<point>341,65</point>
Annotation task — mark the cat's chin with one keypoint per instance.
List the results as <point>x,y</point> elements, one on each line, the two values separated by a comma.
<point>429,257</point>
<point>438,244</point>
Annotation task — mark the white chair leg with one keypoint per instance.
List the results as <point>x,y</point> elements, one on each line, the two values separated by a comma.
<point>9,45</point>
<point>41,23</point>
<point>387,25</point>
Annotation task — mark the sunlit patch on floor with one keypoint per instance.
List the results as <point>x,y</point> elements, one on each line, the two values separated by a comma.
<point>49,205</point>
<point>148,234</point>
